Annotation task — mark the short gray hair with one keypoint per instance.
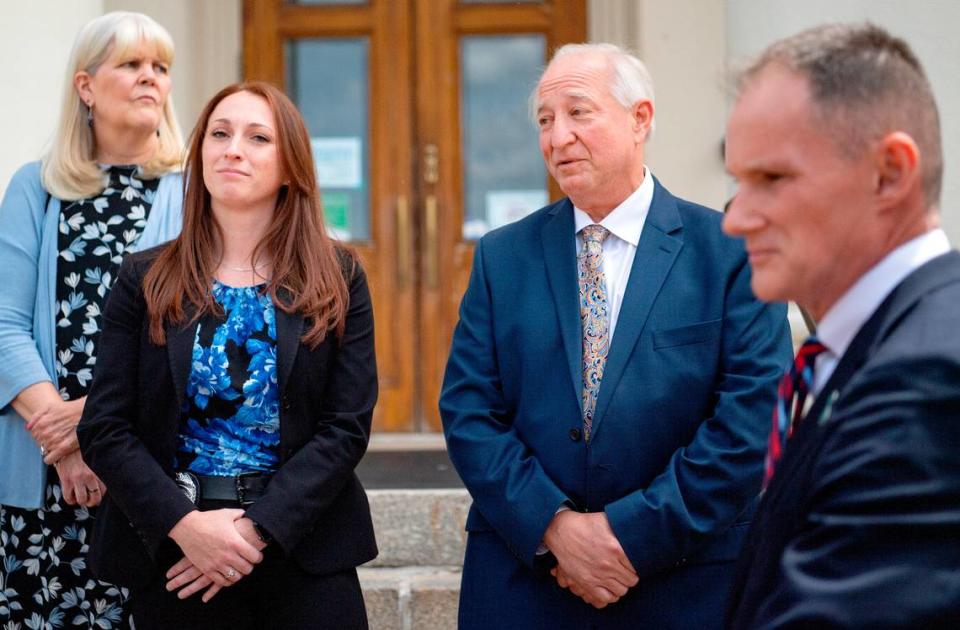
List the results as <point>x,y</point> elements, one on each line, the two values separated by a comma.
<point>864,83</point>
<point>629,79</point>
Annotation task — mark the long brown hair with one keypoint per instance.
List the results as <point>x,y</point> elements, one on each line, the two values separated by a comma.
<point>308,266</point>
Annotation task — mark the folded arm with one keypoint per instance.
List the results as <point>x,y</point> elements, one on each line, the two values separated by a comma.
<point>710,481</point>
<point>311,479</point>
<point>108,439</point>
<point>507,483</point>
<point>21,215</point>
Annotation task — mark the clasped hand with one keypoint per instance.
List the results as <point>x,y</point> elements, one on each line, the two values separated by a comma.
<point>55,427</point>
<point>590,561</point>
<point>219,547</point>
<point>79,484</point>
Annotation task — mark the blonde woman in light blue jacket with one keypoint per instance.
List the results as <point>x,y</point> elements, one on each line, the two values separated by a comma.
<point>109,185</point>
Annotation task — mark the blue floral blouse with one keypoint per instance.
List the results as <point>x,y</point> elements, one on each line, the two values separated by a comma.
<point>231,420</point>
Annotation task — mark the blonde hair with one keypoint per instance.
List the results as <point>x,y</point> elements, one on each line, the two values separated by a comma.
<point>69,168</point>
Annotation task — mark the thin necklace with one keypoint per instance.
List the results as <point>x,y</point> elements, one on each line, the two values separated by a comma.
<point>229,268</point>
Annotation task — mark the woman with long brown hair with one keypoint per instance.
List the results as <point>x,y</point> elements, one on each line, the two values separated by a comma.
<point>234,394</point>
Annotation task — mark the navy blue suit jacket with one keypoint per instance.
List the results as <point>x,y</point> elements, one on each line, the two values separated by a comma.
<point>860,527</point>
<point>679,431</point>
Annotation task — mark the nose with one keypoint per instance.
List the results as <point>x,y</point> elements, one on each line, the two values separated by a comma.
<point>232,150</point>
<point>738,218</point>
<point>148,75</point>
<point>561,133</point>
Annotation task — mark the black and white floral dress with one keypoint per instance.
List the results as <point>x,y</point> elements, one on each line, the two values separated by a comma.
<point>44,580</point>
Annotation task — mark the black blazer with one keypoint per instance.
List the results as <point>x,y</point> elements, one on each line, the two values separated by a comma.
<point>314,506</point>
<point>860,526</point>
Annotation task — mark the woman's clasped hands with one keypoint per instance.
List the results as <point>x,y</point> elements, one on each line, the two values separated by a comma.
<point>220,547</point>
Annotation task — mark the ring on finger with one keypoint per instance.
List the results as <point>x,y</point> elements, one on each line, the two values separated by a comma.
<point>43,450</point>
<point>230,574</point>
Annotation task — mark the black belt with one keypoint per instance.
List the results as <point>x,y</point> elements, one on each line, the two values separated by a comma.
<point>245,488</point>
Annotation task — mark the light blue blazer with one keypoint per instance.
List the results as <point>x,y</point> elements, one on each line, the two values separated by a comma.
<point>28,264</point>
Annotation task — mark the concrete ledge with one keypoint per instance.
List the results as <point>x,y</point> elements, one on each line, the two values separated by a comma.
<point>419,527</point>
<point>411,598</point>
<point>381,441</point>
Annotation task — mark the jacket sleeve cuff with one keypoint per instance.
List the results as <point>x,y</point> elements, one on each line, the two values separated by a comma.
<point>635,525</point>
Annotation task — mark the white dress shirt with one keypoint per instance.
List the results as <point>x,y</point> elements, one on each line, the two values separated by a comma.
<point>847,316</point>
<point>624,223</point>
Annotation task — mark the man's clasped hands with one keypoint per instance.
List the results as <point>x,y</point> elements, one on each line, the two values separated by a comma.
<point>590,561</point>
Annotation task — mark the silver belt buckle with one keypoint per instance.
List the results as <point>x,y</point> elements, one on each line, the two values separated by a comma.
<point>189,484</point>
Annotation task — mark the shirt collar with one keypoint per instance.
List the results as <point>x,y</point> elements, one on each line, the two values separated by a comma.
<point>626,220</point>
<point>844,319</point>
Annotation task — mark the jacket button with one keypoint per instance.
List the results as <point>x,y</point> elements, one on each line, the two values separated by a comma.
<point>575,434</point>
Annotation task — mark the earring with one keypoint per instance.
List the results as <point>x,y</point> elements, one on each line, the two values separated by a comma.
<point>89,115</point>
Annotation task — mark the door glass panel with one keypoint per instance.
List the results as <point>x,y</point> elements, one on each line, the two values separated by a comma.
<point>503,172</point>
<point>328,80</point>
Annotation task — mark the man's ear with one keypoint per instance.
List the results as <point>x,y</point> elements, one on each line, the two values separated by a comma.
<point>642,114</point>
<point>897,164</point>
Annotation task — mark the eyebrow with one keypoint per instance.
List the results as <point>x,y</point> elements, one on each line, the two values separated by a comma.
<point>230,122</point>
<point>574,95</point>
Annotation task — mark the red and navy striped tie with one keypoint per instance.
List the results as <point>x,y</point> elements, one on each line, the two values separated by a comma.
<point>791,396</point>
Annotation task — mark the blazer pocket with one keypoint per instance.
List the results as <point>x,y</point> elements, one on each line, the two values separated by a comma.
<point>687,335</point>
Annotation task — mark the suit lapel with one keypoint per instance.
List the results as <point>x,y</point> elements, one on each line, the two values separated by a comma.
<point>560,259</point>
<point>942,270</point>
<point>656,253</point>
<point>180,340</point>
<point>939,271</point>
<point>289,330</point>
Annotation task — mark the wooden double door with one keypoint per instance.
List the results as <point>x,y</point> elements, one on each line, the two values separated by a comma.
<point>417,111</point>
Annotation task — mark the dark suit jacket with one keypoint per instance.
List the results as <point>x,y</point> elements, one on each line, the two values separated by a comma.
<point>678,436</point>
<point>860,527</point>
<point>314,506</point>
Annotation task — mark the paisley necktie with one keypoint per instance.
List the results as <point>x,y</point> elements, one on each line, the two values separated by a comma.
<point>594,318</point>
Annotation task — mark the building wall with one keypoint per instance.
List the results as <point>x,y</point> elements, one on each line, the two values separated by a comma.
<point>35,40</point>
<point>929,26</point>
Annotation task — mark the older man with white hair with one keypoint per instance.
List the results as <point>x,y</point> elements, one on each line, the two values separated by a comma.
<point>610,382</point>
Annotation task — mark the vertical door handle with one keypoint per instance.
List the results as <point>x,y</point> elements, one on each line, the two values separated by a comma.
<point>431,245</point>
<point>431,175</point>
<point>404,255</point>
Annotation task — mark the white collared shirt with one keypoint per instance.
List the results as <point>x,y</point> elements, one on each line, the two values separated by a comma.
<point>625,224</point>
<point>848,314</point>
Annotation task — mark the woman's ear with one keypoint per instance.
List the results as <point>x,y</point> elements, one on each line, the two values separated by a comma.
<point>81,81</point>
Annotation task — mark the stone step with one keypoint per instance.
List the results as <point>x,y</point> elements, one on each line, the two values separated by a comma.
<point>411,598</point>
<point>397,469</point>
<point>381,441</point>
<point>419,527</point>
